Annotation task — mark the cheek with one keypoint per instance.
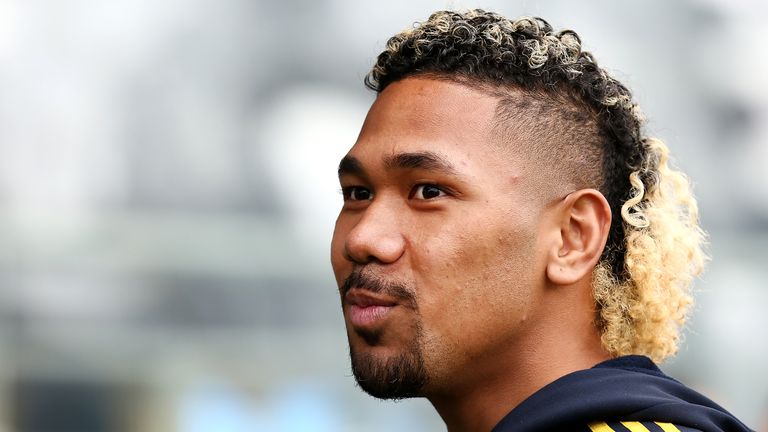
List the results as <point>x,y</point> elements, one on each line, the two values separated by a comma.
<point>477,251</point>
<point>477,281</point>
<point>341,266</point>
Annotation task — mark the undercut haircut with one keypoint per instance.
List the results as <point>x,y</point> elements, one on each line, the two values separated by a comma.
<point>585,122</point>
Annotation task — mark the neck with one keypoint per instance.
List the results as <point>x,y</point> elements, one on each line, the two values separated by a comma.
<point>553,345</point>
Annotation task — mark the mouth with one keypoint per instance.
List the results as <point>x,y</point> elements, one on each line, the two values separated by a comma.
<point>367,309</point>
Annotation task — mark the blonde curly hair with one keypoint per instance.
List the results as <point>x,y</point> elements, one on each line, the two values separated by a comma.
<point>642,282</point>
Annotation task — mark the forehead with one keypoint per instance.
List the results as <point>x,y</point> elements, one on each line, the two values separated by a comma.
<point>425,114</point>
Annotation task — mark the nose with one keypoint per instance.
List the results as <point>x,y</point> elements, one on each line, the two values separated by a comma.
<point>376,237</point>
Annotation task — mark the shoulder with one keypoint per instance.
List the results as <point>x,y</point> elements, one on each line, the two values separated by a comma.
<point>625,394</point>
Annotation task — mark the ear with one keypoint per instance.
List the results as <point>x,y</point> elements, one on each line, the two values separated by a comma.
<point>585,219</point>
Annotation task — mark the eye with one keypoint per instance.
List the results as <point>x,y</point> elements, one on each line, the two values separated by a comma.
<point>427,191</point>
<point>356,193</point>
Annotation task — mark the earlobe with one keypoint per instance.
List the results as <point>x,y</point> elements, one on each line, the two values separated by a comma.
<point>584,224</point>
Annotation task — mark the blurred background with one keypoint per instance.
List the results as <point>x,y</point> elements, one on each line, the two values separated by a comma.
<point>168,192</point>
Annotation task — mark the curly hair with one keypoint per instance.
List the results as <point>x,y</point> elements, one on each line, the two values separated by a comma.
<point>641,284</point>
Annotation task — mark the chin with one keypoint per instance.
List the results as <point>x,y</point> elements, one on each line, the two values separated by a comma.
<point>386,368</point>
<point>389,376</point>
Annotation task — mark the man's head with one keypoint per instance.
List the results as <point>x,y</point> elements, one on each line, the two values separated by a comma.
<point>501,181</point>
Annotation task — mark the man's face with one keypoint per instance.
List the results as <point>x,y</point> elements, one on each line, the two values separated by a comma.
<point>435,250</point>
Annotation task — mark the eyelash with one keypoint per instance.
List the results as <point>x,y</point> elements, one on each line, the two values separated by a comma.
<point>349,190</point>
<point>346,192</point>
<point>441,191</point>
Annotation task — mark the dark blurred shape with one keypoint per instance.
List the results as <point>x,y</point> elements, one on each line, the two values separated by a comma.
<point>65,406</point>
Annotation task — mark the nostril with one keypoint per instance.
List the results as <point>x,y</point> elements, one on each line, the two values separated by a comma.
<point>375,236</point>
<point>358,258</point>
<point>382,249</point>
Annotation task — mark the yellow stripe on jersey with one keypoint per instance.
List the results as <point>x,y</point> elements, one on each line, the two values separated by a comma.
<point>668,427</point>
<point>635,427</point>
<point>600,427</point>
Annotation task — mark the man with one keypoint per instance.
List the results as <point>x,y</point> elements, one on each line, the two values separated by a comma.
<point>511,246</point>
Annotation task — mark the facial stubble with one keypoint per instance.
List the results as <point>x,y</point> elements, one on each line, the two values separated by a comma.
<point>399,376</point>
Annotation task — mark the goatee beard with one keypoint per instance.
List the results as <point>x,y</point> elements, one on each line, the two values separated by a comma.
<point>398,377</point>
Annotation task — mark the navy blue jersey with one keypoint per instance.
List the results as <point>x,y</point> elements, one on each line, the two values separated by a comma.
<point>626,394</point>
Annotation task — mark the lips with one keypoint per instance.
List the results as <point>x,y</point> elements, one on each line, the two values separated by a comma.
<point>367,309</point>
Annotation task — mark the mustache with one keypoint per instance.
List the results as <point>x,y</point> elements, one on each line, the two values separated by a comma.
<point>375,284</point>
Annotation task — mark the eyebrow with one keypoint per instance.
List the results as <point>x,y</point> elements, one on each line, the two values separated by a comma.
<point>416,160</point>
<point>351,166</point>
<point>420,160</point>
